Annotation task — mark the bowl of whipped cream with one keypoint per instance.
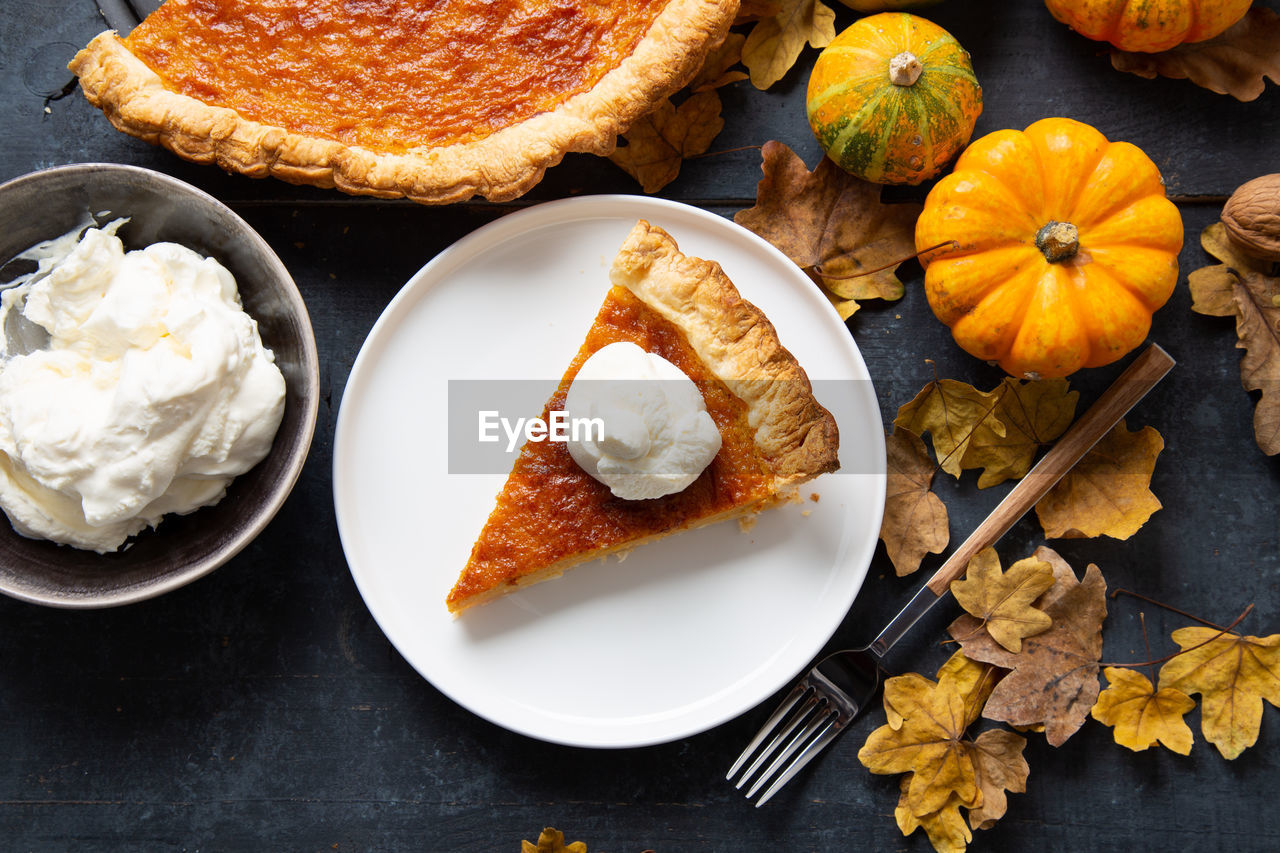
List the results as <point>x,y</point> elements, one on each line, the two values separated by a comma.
<point>158,385</point>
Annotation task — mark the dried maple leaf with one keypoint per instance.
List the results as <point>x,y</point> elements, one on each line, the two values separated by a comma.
<point>1232,674</point>
<point>946,828</point>
<point>1108,491</point>
<point>915,519</point>
<point>926,743</point>
<point>830,223</point>
<point>1241,287</point>
<point>552,841</point>
<point>941,766</point>
<point>1141,715</point>
<point>971,680</point>
<point>660,142</point>
<point>1235,63</point>
<point>949,411</point>
<point>1000,767</point>
<point>774,44</point>
<point>1054,679</point>
<point>1032,415</point>
<point>1001,601</point>
<point>716,67</point>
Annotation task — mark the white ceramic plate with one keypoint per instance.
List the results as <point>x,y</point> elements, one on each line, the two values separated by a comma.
<point>684,633</point>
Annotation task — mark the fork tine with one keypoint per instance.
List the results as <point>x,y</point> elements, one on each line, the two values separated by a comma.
<point>812,702</point>
<point>816,746</point>
<point>767,728</point>
<point>819,722</point>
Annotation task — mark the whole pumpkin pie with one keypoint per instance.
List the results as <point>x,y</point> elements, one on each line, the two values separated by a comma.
<point>436,100</point>
<point>552,515</point>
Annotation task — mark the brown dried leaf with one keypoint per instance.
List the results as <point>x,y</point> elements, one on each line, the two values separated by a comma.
<point>1108,492</point>
<point>1141,715</point>
<point>997,758</point>
<point>830,220</point>
<point>715,68</point>
<point>915,519</point>
<point>750,11</point>
<point>1241,287</point>
<point>1031,415</point>
<point>661,141</point>
<point>1054,679</point>
<point>774,44</point>
<point>1257,299</point>
<point>1235,63</point>
<point>950,412</point>
<point>1001,601</point>
<point>552,841</point>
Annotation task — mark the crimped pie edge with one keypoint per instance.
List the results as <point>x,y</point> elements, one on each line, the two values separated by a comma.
<point>498,167</point>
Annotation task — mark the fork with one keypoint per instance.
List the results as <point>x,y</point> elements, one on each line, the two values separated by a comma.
<point>832,693</point>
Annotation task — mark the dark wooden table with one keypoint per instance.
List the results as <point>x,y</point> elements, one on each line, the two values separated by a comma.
<point>262,709</point>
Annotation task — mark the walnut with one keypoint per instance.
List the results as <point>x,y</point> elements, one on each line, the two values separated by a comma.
<point>1252,218</point>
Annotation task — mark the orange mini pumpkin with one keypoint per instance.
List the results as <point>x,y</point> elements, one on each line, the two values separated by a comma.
<point>1148,26</point>
<point>1064,246</point>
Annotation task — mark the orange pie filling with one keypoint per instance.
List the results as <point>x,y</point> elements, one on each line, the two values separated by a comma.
<point>446,71</point>
<point>551,510</point>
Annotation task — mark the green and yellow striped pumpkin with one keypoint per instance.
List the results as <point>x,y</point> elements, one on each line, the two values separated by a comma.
<point>893,98</point>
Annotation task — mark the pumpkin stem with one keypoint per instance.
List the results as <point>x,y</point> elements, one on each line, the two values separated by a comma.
<point>1058,240</point>
<point>904,69</point>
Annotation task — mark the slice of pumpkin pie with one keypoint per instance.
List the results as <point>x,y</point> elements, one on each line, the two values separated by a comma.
<point>436,100</point>
<point>703,416</point>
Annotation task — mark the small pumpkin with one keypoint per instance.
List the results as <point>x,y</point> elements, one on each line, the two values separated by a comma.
<point>893,98</point>
<point>1148,26</point>
<point>1064,246</point>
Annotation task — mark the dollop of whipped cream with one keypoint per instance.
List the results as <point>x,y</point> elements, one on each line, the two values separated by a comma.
<point>657,435</point>
<point>152,392</point>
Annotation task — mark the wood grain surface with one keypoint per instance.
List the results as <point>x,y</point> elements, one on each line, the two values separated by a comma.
<point>261,708</point>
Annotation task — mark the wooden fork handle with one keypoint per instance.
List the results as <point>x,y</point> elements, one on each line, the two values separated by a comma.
<point>1125,392</point>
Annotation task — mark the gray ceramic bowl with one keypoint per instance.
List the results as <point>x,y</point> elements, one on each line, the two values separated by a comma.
<point>49,203</point>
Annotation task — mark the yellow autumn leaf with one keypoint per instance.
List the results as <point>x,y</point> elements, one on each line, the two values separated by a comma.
<point>1031,415</point>
<point>1141,715</point>
<point>1002,600</point>
<point>915,520</point>
<point>660,142</point>
<point>1108,492</point>
<point>946,828</point>
<point>552,841</point>
<point>949,411</point>
<point>926,743</point>
<point>971,680</point>
<point>774,44</point>
<point>1233,675</point>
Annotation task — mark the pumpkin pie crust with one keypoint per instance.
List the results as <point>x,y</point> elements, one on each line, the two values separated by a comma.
<point>551,515</point>
<point>434,101</point>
